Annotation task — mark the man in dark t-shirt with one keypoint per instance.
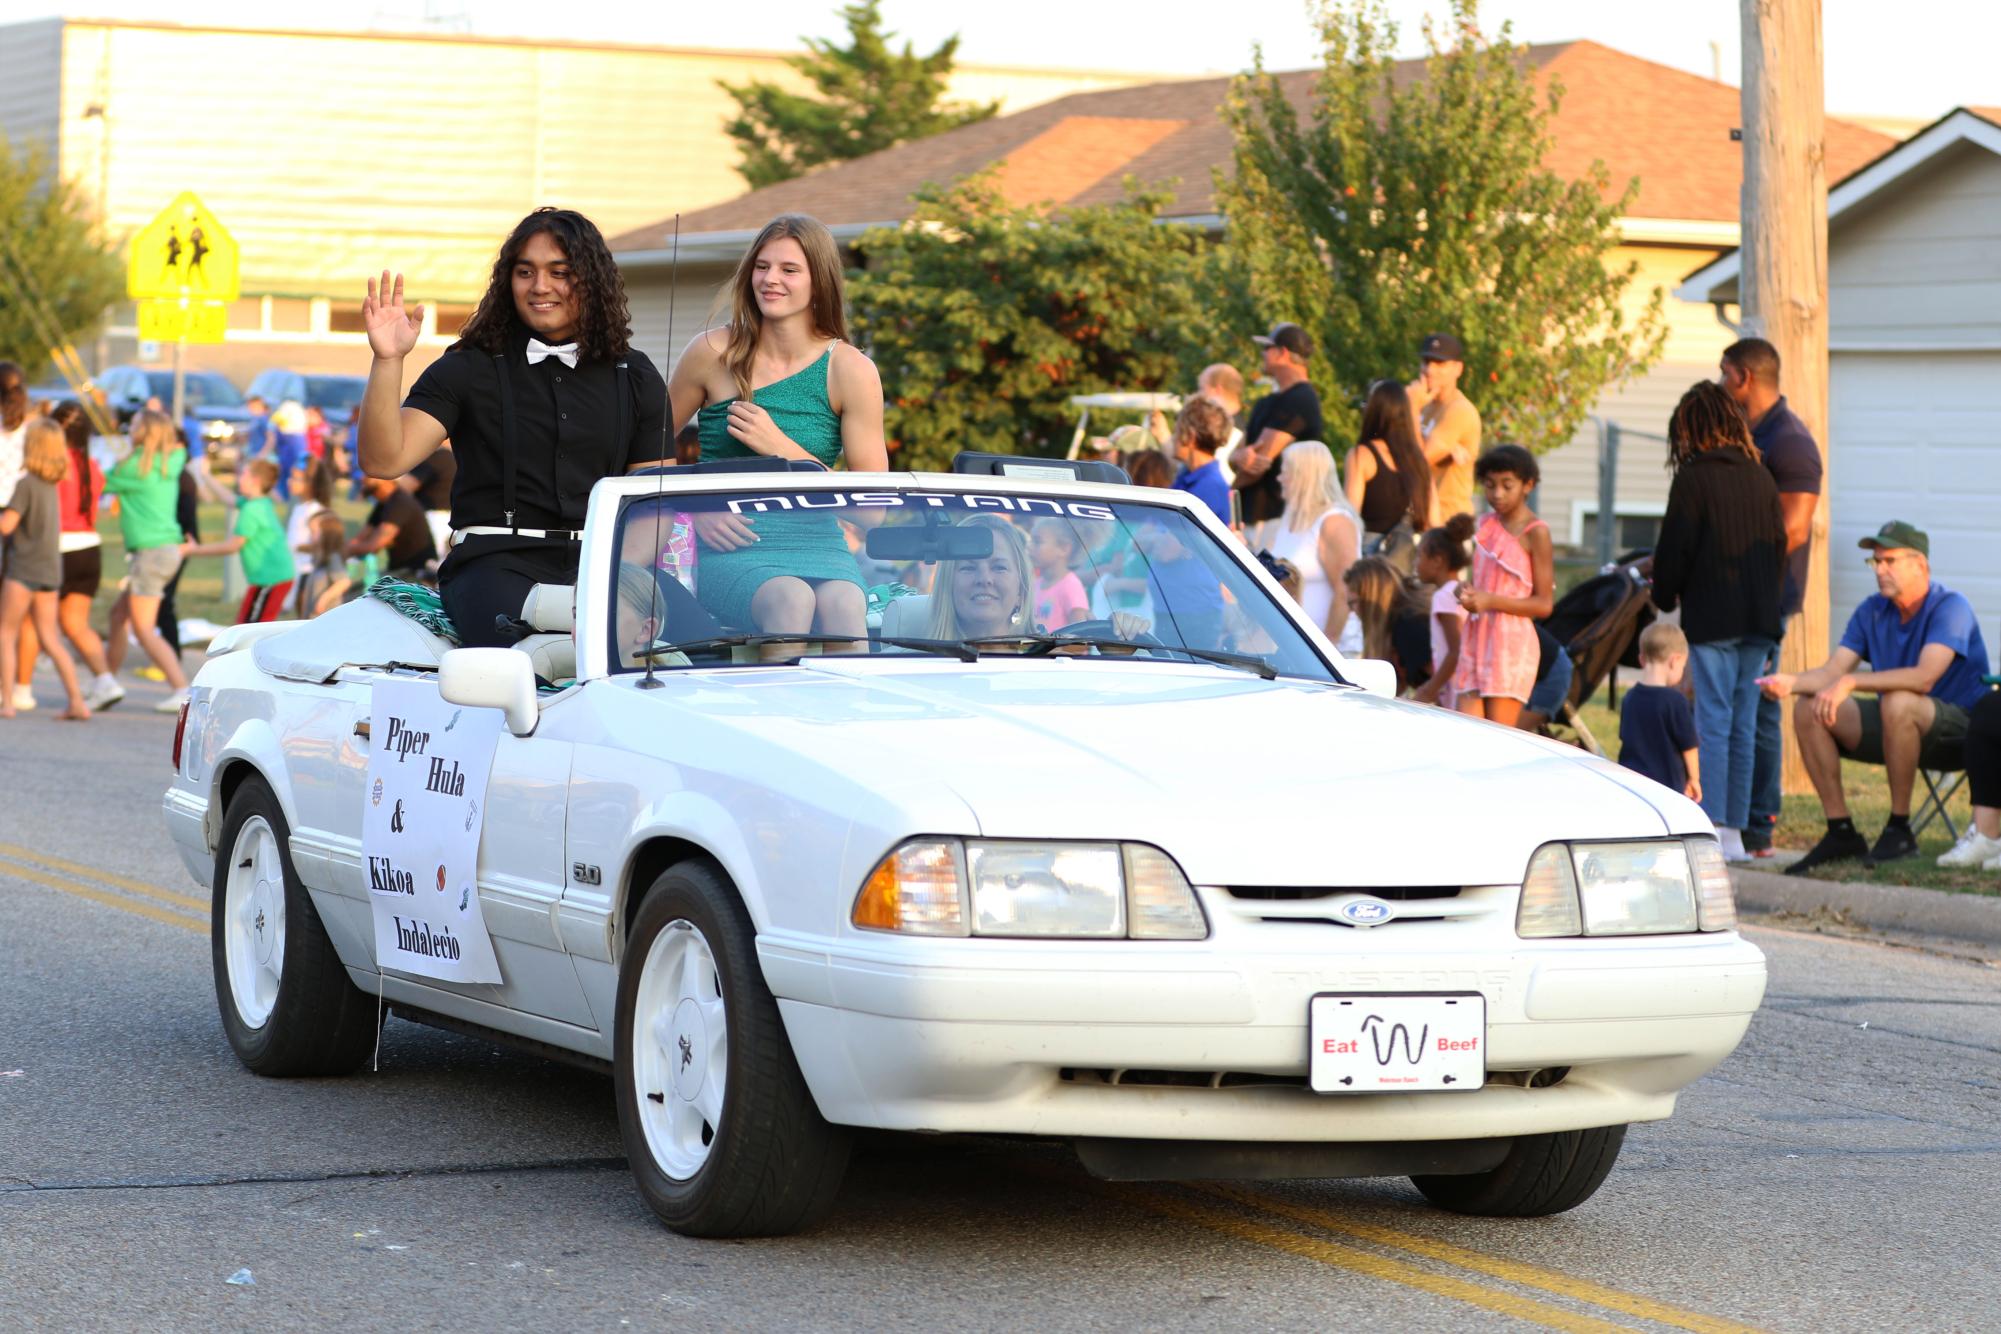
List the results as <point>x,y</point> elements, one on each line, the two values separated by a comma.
<point>398,528</point>
<point>1292,413</point>
<point>1750,374</point>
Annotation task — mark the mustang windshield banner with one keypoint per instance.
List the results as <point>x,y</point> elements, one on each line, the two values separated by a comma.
<point>427,772</point>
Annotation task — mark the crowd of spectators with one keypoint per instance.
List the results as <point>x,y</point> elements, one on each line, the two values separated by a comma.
<point>54,491</point>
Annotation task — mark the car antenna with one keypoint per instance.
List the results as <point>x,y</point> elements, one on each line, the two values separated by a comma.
<point>666,442</point>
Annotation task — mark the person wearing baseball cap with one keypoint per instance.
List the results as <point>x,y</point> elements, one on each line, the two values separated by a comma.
<point>1926,658</point>
<point>1447,420</point>
<point>1291,413</point>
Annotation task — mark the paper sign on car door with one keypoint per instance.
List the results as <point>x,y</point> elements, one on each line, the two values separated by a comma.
<point>427,772</point>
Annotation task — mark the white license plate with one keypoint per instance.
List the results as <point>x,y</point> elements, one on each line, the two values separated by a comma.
<point>1397,1044</point>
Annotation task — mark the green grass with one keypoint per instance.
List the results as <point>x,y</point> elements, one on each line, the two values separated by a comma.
<point>1801,823</point>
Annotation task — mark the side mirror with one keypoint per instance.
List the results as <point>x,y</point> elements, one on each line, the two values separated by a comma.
<point>1375,675</point>
<point>492,678</point>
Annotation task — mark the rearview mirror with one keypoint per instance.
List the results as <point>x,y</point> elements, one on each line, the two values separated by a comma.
<point>929,542</point>
<point>491,678</point>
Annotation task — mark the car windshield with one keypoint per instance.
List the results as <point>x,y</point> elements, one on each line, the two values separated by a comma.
<point>338,392</point>
<point>759,576</point>
<point>199,389</point>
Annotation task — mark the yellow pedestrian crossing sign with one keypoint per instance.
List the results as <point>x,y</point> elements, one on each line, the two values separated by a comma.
<point>184,254</point>
<point>165,321</point>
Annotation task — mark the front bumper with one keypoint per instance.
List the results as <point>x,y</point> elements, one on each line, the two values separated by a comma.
<point>1078,1039</point>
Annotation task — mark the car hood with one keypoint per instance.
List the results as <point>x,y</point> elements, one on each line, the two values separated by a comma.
<point>1244,781</point>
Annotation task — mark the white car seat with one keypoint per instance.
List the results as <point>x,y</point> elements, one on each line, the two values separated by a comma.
<point>908,617</point>
<point>552,610</point>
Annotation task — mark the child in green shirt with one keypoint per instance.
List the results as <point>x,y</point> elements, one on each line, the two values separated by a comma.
<point>257,533</point>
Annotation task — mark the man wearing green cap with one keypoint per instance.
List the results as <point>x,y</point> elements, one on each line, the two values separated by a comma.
<point>1926,657</point>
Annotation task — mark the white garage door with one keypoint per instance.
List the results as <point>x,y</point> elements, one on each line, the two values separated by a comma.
<point>1917,436</point>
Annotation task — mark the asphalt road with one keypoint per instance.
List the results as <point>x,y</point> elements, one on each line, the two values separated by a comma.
<point>1842,1171</point>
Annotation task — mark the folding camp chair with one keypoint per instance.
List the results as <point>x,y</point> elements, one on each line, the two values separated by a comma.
<point>1941,785</point>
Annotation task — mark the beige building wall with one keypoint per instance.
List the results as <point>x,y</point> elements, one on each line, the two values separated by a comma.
<point>331,155</point>
<point>1695,341</point>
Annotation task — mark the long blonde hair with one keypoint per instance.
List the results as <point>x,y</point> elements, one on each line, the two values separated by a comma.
<point>45,449</point>
<point>823,269</point>
<point>945,613</point>
<point>1379,593</point>
<point>152,434</point>
<point>1310,484</point>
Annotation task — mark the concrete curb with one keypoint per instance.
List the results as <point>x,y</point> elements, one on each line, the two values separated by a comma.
<point>1927,912</point>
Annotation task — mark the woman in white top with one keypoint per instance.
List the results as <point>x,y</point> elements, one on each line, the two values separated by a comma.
<point>1321,536</point>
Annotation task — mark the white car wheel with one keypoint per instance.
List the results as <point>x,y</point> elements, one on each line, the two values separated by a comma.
<point>287,1003</point>
<point>253,922</point>
<point>680,1036</point>
<point>720,1129</point>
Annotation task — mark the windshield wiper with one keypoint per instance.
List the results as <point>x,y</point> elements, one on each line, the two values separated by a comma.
<point>1038,645</point>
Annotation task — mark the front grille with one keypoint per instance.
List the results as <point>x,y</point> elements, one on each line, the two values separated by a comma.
<point>1400,893</point>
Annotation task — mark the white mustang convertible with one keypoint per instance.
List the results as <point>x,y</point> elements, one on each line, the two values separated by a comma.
<point>813,807</point>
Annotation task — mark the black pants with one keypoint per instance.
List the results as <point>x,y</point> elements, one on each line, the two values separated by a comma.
<point>484,589</point>
<point>1983,750</point>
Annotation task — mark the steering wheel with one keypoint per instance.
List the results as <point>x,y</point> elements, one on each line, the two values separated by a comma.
<point>1105,630</point>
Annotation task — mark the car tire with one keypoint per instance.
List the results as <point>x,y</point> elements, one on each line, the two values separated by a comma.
<point>288,1005</point>
<point>746,1156</point>
<point>1542,1174</point>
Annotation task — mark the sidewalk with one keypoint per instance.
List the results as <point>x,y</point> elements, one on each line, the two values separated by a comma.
<point>1932,914</point>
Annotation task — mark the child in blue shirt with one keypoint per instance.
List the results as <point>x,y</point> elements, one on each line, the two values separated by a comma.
<point>1656,725</point>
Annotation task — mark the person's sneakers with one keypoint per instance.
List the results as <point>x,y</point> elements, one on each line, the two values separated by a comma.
<point>103,693</point>
<point>1732,842</point>
<point>172,703</point>
<point>1835,845</point>
<point>1973,849</point>
<point>1895,843</point>
<point>24,698</point>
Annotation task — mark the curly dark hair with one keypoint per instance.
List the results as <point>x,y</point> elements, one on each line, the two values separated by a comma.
<point>604,323</point>
<point>1707,418</point>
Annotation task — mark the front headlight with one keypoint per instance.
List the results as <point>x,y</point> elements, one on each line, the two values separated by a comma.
<point>1649,887</point>
<point>1008,887</point>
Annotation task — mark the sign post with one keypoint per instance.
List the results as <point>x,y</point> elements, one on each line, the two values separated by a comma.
<point>183,271</point>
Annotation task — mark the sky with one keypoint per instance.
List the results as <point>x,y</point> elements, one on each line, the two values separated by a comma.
<point>1932,56</point>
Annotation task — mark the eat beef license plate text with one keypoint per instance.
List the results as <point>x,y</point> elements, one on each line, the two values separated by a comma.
<point>1397,1044</point>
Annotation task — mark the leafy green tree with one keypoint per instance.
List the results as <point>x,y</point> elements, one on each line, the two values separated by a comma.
<point>869,97</point>
<point>984,317</point>
<point>50,249</point>
<point>1396,205</point>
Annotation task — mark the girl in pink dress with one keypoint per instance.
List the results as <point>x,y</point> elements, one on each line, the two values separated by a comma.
<point>1512,586</point>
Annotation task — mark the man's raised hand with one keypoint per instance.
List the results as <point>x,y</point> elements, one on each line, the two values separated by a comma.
<point>392,330</point>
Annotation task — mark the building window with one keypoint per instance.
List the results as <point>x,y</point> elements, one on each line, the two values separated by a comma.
<point>451,319</point>
<point>291,315</point>
<point>1633,530</point>
<point>345,317</point>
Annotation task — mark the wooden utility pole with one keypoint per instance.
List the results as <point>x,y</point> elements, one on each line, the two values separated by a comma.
<point>1783,282</point>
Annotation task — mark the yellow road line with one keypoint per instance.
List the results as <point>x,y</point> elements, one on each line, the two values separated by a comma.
<point>1512,1271</point>
<point>16,852</point>
<point>123,904</point>
<point>1338,1256</point>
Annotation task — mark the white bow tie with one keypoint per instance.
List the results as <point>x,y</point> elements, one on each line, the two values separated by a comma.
<point>539,351</point>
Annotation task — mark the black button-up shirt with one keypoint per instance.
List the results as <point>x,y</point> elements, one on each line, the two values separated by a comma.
<point>566,421</point>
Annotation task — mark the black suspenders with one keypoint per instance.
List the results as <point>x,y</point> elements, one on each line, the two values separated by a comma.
<point>509,442</point>
<point>507,434</point>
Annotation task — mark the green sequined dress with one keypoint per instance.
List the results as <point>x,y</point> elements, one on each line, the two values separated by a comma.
<point>805,546</point>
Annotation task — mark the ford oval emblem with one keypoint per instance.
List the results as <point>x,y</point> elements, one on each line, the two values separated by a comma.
<point>1366,912</point>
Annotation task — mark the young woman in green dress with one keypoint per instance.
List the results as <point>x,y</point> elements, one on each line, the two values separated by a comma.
<point>781,380</point>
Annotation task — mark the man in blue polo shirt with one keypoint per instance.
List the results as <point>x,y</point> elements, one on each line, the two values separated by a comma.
<point>1926,657</point>
<point>1202,429</point>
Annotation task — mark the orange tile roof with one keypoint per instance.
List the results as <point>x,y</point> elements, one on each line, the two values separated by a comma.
<point>1667,127</point>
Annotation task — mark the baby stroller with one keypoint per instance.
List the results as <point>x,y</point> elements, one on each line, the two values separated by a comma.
<point>1599,622</point>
